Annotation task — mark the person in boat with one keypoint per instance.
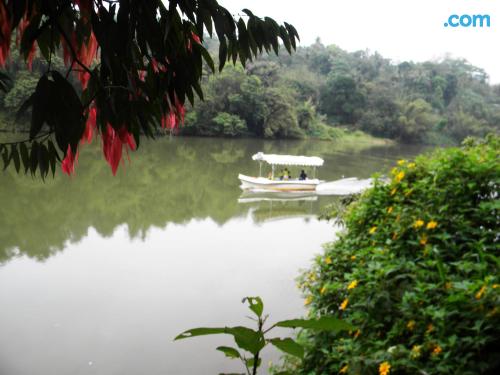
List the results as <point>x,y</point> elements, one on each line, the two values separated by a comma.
<point>303,175</point>
<point>286,174</point>
<point>282,174</point>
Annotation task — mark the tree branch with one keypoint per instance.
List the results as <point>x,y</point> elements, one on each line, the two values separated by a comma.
<point>71,48</point>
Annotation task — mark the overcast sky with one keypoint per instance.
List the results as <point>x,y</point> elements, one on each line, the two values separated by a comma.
<point>397,29</point>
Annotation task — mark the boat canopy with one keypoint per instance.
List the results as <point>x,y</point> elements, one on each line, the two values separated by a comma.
<point>273,159</point>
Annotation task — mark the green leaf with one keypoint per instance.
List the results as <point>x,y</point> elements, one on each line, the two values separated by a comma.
<point>251,361</point>
<point>25,157</point>
<point>200,332</point>
<point>5,157</point>
<point>40,105</point>
<point>53,156</point>
<point>222,54</point>
<point>244,337</point>
<point>248,339</point>
<point>229,352</point>
<point>207,58</point>
<point>288,346</point>
<point>67,117</point>
<point>34,157</point>
<point>15,157</point>
<point>43,157</point>
<point>325,323</point>
<point>255,304</point>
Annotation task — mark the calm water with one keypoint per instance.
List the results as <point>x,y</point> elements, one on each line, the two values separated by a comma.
<point>99,273</point>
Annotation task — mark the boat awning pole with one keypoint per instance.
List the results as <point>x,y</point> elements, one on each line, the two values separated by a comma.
<point>314,172</point>
<point>272,172</point>
<point>260,169</point>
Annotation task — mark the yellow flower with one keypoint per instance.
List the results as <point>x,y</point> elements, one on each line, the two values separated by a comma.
<point>432,224</point>
<point>479,294</point>
<point>389,209</point>
<point>323,290</point>
<point>399,176</point>
<point>353,257</point>
<point>312,276</point>
<point>372,230</point>
<point>415,351</point>
<point>308,300</point>
<point>344,369</point>
<point>328,260</point>
<point>437,350</point>
<point>423,240</point>
<point>410,325</point>
<point>418,224</point>
<point>494,286</point>
<point>352,285</point>
<point>357,333</point>
<point>394,171</point>
<point>430,328</point>
<point>384,368</point>
<point>344,304</point>
<point>393,191</point>
<point>411,165</point>
<point>401,162</point>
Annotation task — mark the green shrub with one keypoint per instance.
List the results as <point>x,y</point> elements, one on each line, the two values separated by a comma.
<point>416,270</point>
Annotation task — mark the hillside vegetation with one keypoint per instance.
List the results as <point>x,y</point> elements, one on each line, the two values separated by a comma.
<point>325,92</point>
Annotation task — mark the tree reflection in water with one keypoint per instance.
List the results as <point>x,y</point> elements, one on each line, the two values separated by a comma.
<point>173,180</point>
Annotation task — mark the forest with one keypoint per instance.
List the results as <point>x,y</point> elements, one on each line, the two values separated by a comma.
<point>323,92</point>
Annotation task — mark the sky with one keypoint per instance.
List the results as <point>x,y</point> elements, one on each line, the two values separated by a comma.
<point>400,30</point>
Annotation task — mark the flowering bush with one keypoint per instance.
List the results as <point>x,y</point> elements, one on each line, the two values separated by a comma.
<point>416,271</point>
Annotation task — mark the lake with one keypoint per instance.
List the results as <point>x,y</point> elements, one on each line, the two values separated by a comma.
<point>98,273</point>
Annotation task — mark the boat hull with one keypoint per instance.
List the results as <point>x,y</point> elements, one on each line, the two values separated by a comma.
<point>262,183</point>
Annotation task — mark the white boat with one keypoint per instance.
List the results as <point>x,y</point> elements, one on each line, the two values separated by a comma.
<point>274,183</point>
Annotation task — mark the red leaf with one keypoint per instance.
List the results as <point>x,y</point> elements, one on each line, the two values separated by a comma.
<point>112,148</point>
<point>127,138</point>
<point>90,125</point>
<point>31,55</point>
<point>5,33</point>
<point>84,77</point>
<point>68,163</point>
<point>195,37</point>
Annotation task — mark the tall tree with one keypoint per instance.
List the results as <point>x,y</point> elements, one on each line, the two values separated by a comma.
<point>138,62</point>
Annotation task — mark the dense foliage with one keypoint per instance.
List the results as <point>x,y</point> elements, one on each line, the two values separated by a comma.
<point>416,271</point>
<point>325,92</point>
<point>138,63</point>
<point>290,96</point>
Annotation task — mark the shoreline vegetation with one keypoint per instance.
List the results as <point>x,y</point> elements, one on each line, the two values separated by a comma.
<point>321,92</point>
<point>337,134</point>
<point>414,268</point>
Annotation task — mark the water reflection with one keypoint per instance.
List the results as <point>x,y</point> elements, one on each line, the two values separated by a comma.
<point>169,244</point>
<point>169,181</point>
